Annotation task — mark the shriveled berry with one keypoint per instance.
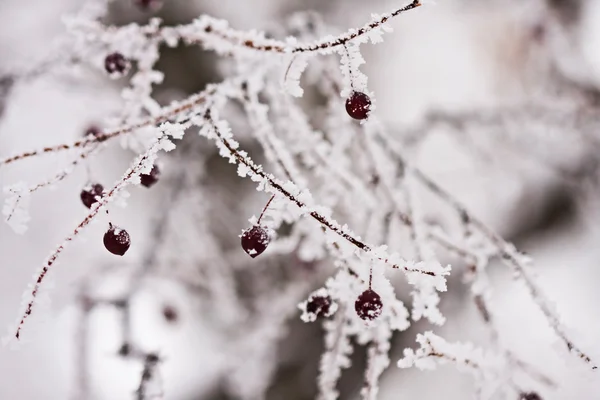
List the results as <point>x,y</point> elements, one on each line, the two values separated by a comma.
<point>358,105</point>
<point>150,178</point>
<point>117,240</point>
<point>90,193</point>
<point>368,305</point>
<point>319,305</point>
<point>116,63</point>
<point>149,5</point>
<point>255,240</point>
<point>530,396</point>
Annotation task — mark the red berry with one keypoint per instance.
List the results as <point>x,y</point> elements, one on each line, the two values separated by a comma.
<point>117,240</point>
<point>116,63</point>
<point>90,193</point>
<point>255,240</point>
<point>150,178</point>
<point>358,105</point>
<point>368,305</point>
<point>319,305</point>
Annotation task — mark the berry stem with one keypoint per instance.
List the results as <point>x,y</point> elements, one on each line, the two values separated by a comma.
<point>264,209</point>
<point>349,69</point>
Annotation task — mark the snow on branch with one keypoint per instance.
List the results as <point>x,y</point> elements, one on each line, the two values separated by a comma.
<point>434,351</point>
<point>143,164</point>
<point>216,35</point>
<point>520,263</point>
<point>220,132</point>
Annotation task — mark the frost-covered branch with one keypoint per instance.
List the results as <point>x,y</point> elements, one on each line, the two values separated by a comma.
<point>290,191</point>
<point>139,166</point>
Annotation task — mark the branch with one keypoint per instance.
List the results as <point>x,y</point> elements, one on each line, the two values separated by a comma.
<point>169,113</point>
<point>508,254</point>
<point>329,223</point>
<point>133,172</point>
<point>206,28</point>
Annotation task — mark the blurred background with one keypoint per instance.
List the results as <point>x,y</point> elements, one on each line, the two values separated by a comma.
<point>498,100</point>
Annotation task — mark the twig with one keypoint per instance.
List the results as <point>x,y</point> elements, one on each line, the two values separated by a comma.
<point>507,251</point>
<point>278,186</point>
<point>96,208</point>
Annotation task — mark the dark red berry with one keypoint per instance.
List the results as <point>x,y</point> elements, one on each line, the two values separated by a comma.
<point>150,178</point>
<point>530,396</point>
<point>90,193</point>
<point>170,313</point>
<point>358,105</point>
<point>368,305</point>
<point>117,240</point>
<point>146,5</point>
<point>255,240</point>
<point>116,63</point>
<point>318,305</point>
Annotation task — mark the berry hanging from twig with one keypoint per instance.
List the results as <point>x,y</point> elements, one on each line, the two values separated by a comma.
<point>90,194</point>
<point>117,240</point>
<point>151,177</point>
<point>255,240</point>
<point>116,64</point>
<point>358,105</point>
<point>368,305</point>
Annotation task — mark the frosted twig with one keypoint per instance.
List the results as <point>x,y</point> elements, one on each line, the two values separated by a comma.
<point>217,35</point>
<point>330,223</point>
<point>508,253</point>
<point>168,113</point>
<point>133,172</point>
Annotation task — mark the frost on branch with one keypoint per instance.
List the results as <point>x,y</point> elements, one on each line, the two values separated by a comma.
<point>487,368</point>
<point>340,212</point>
<point>291,79</point>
